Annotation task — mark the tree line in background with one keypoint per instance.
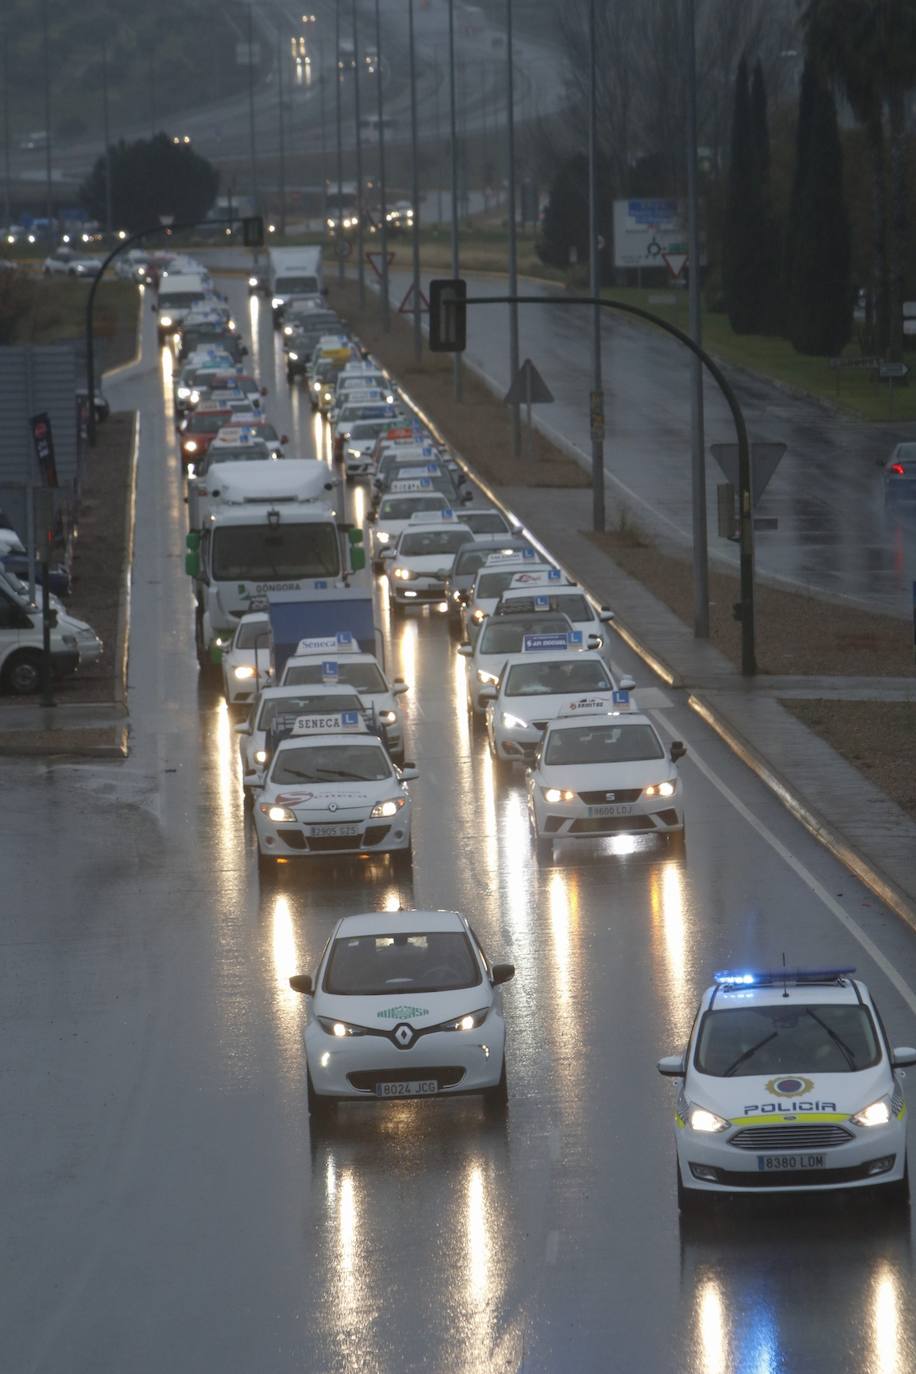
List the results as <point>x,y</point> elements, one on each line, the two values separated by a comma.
<point>803,205</point>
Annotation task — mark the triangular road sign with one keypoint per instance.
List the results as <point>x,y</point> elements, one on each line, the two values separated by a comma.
<point>374,259</point>
<point>764,462</point>
<point>675,263</point>
<point>406,306</point>
<point>528,387</point>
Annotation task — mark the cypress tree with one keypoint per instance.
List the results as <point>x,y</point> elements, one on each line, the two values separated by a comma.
<point>819,293</point>
<point>769,274</point>
<point>744,215</point>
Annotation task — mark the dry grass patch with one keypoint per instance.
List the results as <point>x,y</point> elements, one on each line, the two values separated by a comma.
<point>878,737</point>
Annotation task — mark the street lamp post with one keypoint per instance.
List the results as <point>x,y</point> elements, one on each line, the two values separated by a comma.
<point>47,73</point>
<point>594,275</point>
<point>256,199</point>
<point>453,122</point>
<point>7,175</point>
<point>697,434</point>
<point>415,188</point>
<point>281,131</point>
<point>386,314</point>
<point>513,237</point>
<point>338,76</point>
<point>360,264</point>
<point>109,223</point>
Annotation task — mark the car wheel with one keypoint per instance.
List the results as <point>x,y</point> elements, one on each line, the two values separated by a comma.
<point>22,673</point>
<point>497,1097</point>
<point>677,842</point>
<point>689,1201</point>
<point>543,849</point>
<point>320,1108</point>
<point>897,1194</point>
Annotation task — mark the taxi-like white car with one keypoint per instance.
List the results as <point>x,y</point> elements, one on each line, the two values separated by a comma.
<point>571,600</point>
<point>396,512</point>
<point>497,575</point>
<point>789,1084</point>
<point>352,412</point>
<point>421,561</point>
<point>278,707</point>
<point>362,672</point>
<point>245,663</point>
<point>331,788</point>
<point>550,674</point>
<point>404,1004</point>
<point>601,772</point>
<point>498,640</point>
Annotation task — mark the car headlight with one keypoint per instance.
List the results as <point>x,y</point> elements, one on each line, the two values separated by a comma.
<point>405,574</point>
<point>382,536</point>
<point>316,386</point>
<point>470,1021</point>
<point>354,453</point>
<point>387,808</point>
<point>339,1029</point>
<point>699,1119</point>
<point>479,616</point>
<point>486,679</point>
<point>877,1114</point>
<point>661,789</point>
<point>260,756</point>
<point>189,446</point>
<point>165,321</point>
<point>276,302</point>
<point>194,397</point>
<point>183,392</point>
<point>328,396</point>
<point>287,330</point>
<point>387,717</point>
<point>514,722</point>
<point>390,400</point>
<point>243,672</point>
<point>223,641</point>
<point>555,794</point>
<point>252,281</point>
<point>277,813</point>
<point>293,357</point>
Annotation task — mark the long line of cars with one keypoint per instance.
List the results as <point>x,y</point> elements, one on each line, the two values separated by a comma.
<point>789,1083</point>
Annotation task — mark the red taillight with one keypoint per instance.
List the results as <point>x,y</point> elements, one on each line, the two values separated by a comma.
<point>898,468</point>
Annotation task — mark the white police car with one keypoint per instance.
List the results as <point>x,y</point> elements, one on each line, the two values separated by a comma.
<point>789,1083</point>
<point>601,771</point>
<point>245,664</point>
<point>551,673</point>
<point>331,788</point>
<point>280,707</point>
<point>404,1004</point>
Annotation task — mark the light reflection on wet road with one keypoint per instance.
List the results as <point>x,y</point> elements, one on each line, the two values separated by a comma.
<point>180,1214</point>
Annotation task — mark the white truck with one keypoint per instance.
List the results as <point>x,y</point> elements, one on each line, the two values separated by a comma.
<point>294,275</point>
<point>178,295</point>
<point>288,482</point>
<point>246,552</point>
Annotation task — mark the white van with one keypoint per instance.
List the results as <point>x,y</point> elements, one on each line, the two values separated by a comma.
<point>21,642</point>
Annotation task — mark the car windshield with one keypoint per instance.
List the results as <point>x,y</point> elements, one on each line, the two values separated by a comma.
<point>905,451</point>
<point>367,429</point>
<point>551,676</point>
<point>431,541</point>
<point>830,1037</point>
<point>179,300</point>
<point>486,522</point>
<point>576,606</point>
<point>499,637</point>
<point>308,704</point>
<point>403,507</point>
<point>376,965</point>
<point>207,423</point>
<point>253,634</point>
<point>331,763</point>
<point>266,432</point>
<point>266,553</point>
<point>301,285</point>
<point>374,410</point>
<point>375,381</point>
<point>244,453</point>
<point>366,678</point>
<point>603,743</point>
<point>493,584</point>
<point>473,556</point>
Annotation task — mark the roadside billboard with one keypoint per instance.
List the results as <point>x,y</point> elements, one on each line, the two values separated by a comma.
<point>646,230</point>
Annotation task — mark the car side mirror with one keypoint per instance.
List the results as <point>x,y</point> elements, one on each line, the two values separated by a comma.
<point>387,553</point>
<point>465,650</point>
<point>372,518</point>
<point>243,728</point>
<point>903,1057</point>
<point>444,573</point>
<point>672,1066</point>
<point>408,772</point>
<point>605,615</point>
<point>302,982</point>
<point>263,390</point>
<point>487,694</point>
<point>502,973</point>
<point>399,687</point>
<point>678,750</point>
<point>627,684</point>
<point>466,498</point>
<point>284,438</point>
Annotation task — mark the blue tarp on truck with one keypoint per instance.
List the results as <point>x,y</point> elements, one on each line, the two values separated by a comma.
<point>313,614</point>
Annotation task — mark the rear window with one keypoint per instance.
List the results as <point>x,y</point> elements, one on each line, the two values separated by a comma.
<point>486,522</point>
<point>491,584</point>
<point>576,607</point>
<point>373,965</point>
<point>308,704</point>
<point>403,507</point>
<point>430,542</point>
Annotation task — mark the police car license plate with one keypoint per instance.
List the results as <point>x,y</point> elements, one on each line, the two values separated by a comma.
<point>418,1087</point>
<point>610,810</point>
<point>319,832</point>
<point>772,1164</point>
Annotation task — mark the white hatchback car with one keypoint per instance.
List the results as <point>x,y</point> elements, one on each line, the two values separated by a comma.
<point>395,513</point>
<point>246,663</point>
<point>498,639</point>
<point>789,1084</point>
<point>363,673</point>
<point>420,563</point>
<point>404,1004</point>
<point>497,575</point>
<point>569,599</point>
<point>276,706</point>
<point>599,773</point>
<point>331,788</point>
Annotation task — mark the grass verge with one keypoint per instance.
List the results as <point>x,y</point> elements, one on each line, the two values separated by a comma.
<point>878,738</point>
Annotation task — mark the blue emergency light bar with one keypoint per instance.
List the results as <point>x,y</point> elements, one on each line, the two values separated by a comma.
<point>728,978</point>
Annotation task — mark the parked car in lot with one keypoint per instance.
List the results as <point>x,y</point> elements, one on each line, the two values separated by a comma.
<point>21,641</point>
<point>64,262</point>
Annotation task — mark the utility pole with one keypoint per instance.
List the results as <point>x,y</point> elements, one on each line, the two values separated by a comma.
<point>438,138</point>
<point>281,131</point>
<point>360,263</point>
<point>152,91</point>
<point>256,199</point>
<point>7,173</point>
<point>109,222</point>
<point>47,67</point>
<point>386,314</point>
<point>337,81</point>
<point>322,92</point>
<point>415,189</point>
<point>697,427</point>
<point>453,120</point>
<point>594,276</point>
<point>513,238</point>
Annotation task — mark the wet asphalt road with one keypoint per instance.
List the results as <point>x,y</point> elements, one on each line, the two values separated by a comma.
<point>835,534</point>
<point>165,1206</point>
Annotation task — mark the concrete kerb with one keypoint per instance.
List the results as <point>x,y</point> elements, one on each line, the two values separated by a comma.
<point>122,643</point>
<point>822,830</point>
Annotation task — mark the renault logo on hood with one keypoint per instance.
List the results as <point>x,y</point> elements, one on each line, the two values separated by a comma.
<point>404,1036</point>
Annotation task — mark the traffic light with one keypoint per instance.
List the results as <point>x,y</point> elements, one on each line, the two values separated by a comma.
<point>253,231</point>
<point>448,315</point>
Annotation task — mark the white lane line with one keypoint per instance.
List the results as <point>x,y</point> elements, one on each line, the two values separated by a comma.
<point>552,1247</point>
<point>807,877</point>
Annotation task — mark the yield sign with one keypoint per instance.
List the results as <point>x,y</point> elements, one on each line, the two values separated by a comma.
<point>675,263</point>
<point>407,304</point>
<point>764,462</point>
<point>374,259</point>
<point>528,387</point>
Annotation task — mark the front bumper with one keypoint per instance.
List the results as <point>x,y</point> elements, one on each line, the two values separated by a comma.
<point>243,691</point>
<point>459,1061</point>
<point>419,591</point>
<point>359,466</point>
<point>89,649</point>
<point>851,1165</point>
<point>294,840</point>
<point>577,821</point>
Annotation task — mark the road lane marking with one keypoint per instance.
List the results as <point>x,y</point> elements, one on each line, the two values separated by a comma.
<point>807,877</point>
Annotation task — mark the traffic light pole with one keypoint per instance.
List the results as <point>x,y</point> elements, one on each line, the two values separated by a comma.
<point>254,230</point>
<point>447,334</point>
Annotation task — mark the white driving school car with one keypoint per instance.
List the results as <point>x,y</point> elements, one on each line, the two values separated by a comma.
<point>789,1083</point>
<point>331,788</point>
<point>603,771</point>
<point>404,1004</point>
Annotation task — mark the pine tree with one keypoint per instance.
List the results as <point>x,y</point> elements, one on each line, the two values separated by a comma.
<point>819,292</point>
<point>744,216</point>
<point>769,274</point>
